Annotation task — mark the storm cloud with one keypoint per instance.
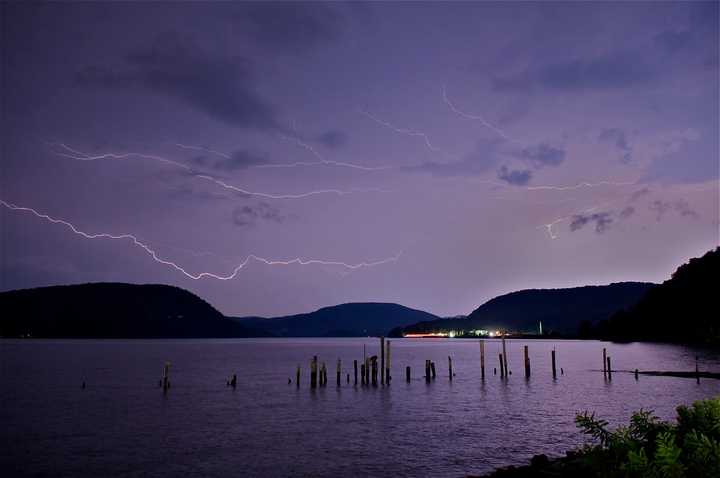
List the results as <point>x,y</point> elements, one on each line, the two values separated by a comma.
<point>223,87</point>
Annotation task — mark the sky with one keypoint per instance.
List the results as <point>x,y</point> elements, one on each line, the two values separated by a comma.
<point>275,158</point>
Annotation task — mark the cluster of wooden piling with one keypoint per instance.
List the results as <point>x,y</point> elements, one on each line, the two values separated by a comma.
<point>369,369</point>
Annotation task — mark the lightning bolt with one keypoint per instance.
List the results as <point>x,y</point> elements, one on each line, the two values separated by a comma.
<point>80,156</point>
<point>407,132</point>
<point>580,185</point>
<point>549,226</point>
<point>321,160</point>
<point>154,255</point>
<point>479,118</point>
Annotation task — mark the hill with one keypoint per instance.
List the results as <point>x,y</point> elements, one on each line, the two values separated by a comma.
<point>344,320</point>
<point>112,310</point>
<point>681,309</point>
<point>560,310</point>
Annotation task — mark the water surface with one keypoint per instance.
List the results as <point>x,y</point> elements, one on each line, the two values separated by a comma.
<point>123,425</point>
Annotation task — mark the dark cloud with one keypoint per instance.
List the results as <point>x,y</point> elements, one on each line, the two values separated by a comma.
<point>242,159</point>
<point>617,137</point>
<point>542,155</point>
<point>617,70</point>
<point>626,212</point>
<point>291,26</point>
<point>602,221</point>
<point>681,207</point>
<point>250,215</point>
<point>515,177</point>
<point>222,87</point>
<point>639,193</point>
<point>333,139</point>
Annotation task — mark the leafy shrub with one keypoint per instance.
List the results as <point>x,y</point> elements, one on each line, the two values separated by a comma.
<point>650,448</point>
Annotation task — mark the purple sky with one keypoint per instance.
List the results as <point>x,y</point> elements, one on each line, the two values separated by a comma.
<point>497,146</point>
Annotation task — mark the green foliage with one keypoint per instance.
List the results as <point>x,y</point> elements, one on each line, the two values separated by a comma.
<point>650,448</point>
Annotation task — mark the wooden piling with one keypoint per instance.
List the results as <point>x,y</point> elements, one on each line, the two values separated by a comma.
<point>166,377</point>
<point>502,368</point>
<point>527,362</point>
<point>450,371</point>
<point>427,371</point>
<point>604,361</point>
<point>297,377</point>
<point>348,379</point>
<point>374,366</point>
<point>337,372</point>
<point>407,374</point>
<point>554,369</point>
<point>387,365</point>
<point>636,374</point>
<point>504,355</point>
<point>432,369</point>
<point>609,369</point>
<point>355,370</point>
<point>313,372</point>
<point>482,360</point>
<point>362,374</point>
<point>382,360</point>
<point>233,381</point>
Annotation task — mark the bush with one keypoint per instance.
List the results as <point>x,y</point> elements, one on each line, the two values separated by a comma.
<point>650,448</point>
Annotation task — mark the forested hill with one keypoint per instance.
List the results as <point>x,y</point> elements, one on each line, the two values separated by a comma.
<point>112,310</point>
<point>682,309</point>
<point>560,310</point>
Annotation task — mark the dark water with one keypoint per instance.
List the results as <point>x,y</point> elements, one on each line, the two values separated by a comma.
<point>123,425</point>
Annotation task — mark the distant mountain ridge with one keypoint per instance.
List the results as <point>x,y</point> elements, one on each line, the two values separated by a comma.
<point>560,310</point>
<point>113,310</point>
<point>356,319</point>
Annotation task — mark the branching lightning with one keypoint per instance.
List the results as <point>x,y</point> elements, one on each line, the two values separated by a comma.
<point>80,156</point>
<point>320,158</point>
<point>152,253</point>
<point>407,132</point>
<point>479,118</point>
<point>580,185</point>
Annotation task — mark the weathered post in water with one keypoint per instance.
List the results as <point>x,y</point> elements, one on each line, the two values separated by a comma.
<point>502,369</point>
<point>382,360</point>
<point>387,365</point>
<point>450,372</point>
<point>374,370</point>
<point>482,360</point>
<point>355,370</point>
<point>407,373</point>
<point>604,361</point>
<point>297,377</point>
<point>362,373</point>
<point>527,362</point>
<point>313,372</point>
<point>166,377</point>
<point>427,371</point>
<point>552,357</point>
<point>636,374</point>
<point>337,372</point>
<point>432,369</point>
<point>504,355</point>
<point>609,369</point>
